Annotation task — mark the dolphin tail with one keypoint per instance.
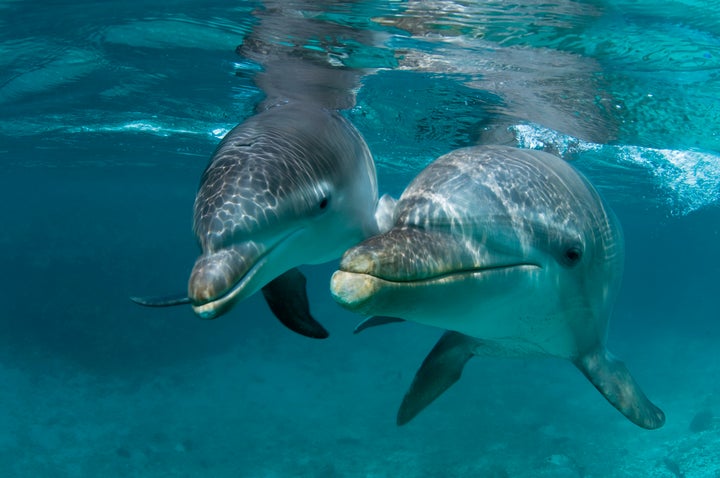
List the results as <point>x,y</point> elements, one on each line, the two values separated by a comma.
<point>287,298</point>
<point>162,300</point>
<point>613,380</point>
<point>440,369</point>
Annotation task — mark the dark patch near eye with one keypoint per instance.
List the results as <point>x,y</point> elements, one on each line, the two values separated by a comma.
<point>324,203</point>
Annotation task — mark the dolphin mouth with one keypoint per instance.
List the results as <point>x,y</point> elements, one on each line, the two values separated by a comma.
<point>212,305</point>
<point>356,290</point>
<point>450,275</point>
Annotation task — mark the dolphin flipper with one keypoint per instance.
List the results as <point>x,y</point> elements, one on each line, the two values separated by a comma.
<point>613,380</point>
<point>440,369</point>
<point>162,300</point>
<point>374,321</point>
<point>288,300</point>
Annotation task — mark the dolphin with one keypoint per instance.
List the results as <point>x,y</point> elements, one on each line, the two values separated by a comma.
<point>514,253</point>
<point>294,184</point>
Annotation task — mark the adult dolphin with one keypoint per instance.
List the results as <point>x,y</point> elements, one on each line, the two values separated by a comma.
<point>515,254</point>
<point>294,184</point>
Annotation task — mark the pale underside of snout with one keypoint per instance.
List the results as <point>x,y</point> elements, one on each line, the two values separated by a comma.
<point>221,278</point>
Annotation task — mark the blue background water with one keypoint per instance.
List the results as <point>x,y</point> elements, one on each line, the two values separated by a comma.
<point>108,115</point>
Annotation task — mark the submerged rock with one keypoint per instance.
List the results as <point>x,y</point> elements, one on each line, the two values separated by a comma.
<point>702,421</point>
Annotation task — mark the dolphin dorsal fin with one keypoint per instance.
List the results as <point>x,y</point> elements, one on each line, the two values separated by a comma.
<point>385,213</point>
<point>438,372</point>
<point>287,298</point>
<point>613,380</point>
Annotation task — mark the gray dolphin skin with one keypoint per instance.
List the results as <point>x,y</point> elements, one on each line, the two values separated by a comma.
<point>294,184</point>
<point>514,253</point>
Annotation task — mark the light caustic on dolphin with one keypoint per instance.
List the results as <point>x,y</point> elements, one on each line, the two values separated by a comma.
<point>294,184</point>
<point>511,251</point>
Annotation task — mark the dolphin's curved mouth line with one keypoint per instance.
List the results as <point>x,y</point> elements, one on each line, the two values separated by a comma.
<point>453,274</point>
<point>209,308</point>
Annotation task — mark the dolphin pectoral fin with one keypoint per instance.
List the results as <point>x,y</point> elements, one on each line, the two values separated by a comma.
<point>374,321</point>
<point>288,300</point>
<point>162,300</point>
<point>613,380</point>
<point>440,369</point>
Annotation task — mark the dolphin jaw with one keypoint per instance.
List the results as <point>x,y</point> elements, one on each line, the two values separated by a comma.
<point>355,289</point>
<point>367,262</point>
<point>216,306</point>
<point>208,305</point>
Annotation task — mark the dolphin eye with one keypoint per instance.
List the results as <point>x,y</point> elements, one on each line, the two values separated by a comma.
<point>324,202</point>
<point>572,255</point>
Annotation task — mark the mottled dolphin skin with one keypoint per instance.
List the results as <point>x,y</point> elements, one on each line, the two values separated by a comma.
<point>294,184</point>
<point>511,251</point>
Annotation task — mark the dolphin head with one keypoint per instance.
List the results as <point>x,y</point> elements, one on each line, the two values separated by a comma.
<point>492,242</point>
<point>292,185</point>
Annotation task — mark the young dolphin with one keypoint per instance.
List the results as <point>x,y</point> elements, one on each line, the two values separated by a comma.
<point>294,184</point>
<point>515,254</point>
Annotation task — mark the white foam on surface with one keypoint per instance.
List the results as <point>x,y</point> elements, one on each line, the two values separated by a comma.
<point>689,178</point>
<point>160,130</point>
<point>151,127</point>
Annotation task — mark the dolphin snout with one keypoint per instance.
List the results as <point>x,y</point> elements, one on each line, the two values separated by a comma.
<point>354,284</point>
<point>352,290</point>
<point>359,260</point>
<point>213,276</point>
<point>406,254</point>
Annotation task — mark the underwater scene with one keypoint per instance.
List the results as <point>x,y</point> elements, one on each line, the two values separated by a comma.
<point>533,185</point>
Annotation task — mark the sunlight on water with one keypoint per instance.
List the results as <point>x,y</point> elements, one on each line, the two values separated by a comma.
<point>692,178</point>
<point>178,32</point>
<point>49,72</point>
<point>151,128</point>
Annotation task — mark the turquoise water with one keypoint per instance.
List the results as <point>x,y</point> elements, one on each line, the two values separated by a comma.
<point>108,115</point>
